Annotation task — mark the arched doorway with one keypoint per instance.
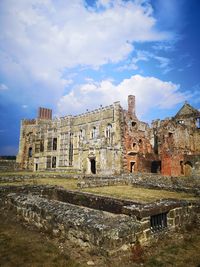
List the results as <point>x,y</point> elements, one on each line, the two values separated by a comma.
<point>155,166</point>
<point>132,166</point>
<point>188,168</point>
<point>93,166</point>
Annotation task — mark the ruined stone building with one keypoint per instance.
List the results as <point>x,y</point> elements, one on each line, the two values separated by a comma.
<point>111,140</point>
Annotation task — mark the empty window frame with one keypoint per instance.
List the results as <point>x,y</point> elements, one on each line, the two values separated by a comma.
<point>30,152</point>
<point>158,222</point>
<point>37,148</point>
<point>181,122</point>
<point>198,123</point>
<point>71,150</point>
<point>54,143</point>
<point>94,133</point>
<point>49,162</point>
<point>108,130</point>
<point>49,144</point>
<point>42,146</point>
<point>53,162</point>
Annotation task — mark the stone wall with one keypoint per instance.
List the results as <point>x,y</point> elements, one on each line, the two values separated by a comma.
<point>87,228</point>
<point>88,224</point>
<point>8,165</point>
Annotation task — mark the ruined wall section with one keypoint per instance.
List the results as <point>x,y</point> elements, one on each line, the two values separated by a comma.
<point>137,146</point>
<point>26,143</point>
<point>174,140</point>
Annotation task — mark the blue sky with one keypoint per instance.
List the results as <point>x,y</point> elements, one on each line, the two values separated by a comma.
<point>76,55</point>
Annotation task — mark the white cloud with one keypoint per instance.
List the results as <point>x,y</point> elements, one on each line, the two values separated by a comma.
<point>150,93</point>
<point>141,55</point>
<point>41,38</point>
<point>3,87</point>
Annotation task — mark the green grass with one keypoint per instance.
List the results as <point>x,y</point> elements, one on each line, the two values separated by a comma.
<point>138,194</point>
<point>22,247</point>
<point>119,191</point>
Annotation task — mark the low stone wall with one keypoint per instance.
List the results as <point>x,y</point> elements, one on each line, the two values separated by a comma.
<point>8,165</point>
<point>85,227</point>
<point>189,184</point>
<point>83,218</point>
<point>6,178</point>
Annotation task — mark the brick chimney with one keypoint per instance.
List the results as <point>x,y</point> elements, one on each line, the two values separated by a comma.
<point>131,105</point>
<point>44,113</point>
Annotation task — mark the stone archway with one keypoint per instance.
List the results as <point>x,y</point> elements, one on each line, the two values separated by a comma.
<point>188,168</point>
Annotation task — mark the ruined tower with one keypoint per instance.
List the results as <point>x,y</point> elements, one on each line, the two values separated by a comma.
<point>131,105</point>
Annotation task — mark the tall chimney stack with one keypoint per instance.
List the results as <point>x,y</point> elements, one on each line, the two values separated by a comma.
<point>45,113</point>
<point>131,105</point>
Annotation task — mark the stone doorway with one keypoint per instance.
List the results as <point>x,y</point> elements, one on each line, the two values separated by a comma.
<point>93,166</point>
<point>132,166</point>
<point>156,166</point>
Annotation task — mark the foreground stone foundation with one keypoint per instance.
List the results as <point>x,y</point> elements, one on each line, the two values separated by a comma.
<point>83,219</point>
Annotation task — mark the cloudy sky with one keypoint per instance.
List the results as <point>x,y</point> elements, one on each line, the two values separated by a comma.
<point>76,55</point>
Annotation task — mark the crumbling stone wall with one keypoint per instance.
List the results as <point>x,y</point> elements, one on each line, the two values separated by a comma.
<point>8,165</point>
<point>107,232</point>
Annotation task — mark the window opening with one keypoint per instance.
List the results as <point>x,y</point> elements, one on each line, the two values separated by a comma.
<point>49,144</point>
<point>48,162</point>
<point>158,222</point>
<point>155,166</point>
<point>132,166</point>
<point>198,123</point>
<point>42,146</point>
<point>93,166</point>
<point>54,143</point>
<point>71,150</point>
<point>53,162</point>
<point>134,145</point>
<point>182,167</point>
<point>94,133</point>
<point>108,131</point>
<point>30,152</point>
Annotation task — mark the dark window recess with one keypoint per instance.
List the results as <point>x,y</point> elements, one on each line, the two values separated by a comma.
<point>93,166</point>
<point>182,167</point>
<point>198,123</point>
<point>30,152</point>
<point>71,150</point>
<point>155,144</point>
<point>54,143</point>
<point>42,146</point>
<point>133,123</point>
<point>155,166</point>
<point>158,222</point>
<point>48,162</point>
<point>53,162</point>
<point>170,135</point>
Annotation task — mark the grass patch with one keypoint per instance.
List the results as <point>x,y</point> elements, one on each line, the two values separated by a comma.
<point>118,191</point>
<point>138,194</point>
<point>22,247</point>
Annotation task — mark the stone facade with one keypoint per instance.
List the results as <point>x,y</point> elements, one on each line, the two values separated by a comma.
<point>112,141</point>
